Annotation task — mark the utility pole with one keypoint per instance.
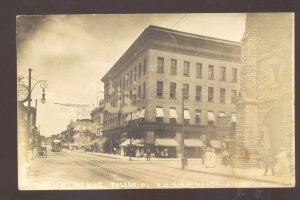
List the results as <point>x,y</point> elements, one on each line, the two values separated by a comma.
<point>183,160</point>
<point>29,105</point>
<point>130,136</point>
<point>35,112</point>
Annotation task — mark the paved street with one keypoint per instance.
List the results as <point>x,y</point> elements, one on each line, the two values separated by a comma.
<point>74,170</point>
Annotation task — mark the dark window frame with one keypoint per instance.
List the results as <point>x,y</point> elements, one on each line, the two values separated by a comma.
<point>159,90</point>
<point>173,68</point>
<point>234,75</point>
<point>211,72</point>
<point>223,73</point>
<point>210,92</point>
<point>186,91</point>
<point>222,96</point>
<point>186,68</point>
<point>198,93</point>
<point>198,70</point>
<point>172,90</point>
<point>160,66</point>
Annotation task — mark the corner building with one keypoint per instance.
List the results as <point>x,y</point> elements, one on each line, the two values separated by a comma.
<point>143,90</point>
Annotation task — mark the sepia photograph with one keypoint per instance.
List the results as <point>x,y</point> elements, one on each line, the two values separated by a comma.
<point>155,101</point>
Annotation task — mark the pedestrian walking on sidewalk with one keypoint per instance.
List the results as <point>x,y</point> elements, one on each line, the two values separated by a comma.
<point>148,154</point>
<point>226,158</point>
<point>269,162</point>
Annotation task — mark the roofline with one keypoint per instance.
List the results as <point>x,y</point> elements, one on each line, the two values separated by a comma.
<point>193,35</point>
<point>153,27</point>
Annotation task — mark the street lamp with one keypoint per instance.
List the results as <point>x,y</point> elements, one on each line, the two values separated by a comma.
<point>43,85</point>
<point>43,100</point>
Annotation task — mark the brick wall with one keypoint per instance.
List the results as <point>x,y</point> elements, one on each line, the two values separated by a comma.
<point>179,79</point>
<point>266,54</point>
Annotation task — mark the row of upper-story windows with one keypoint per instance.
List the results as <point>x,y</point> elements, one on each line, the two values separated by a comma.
<point>199,69</point>
<point>198,92</point>
<point>126,80</point>
<point>132,95</point>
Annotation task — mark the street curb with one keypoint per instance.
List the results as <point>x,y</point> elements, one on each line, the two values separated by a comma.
<point>140,159</point>
<point>239,177</point>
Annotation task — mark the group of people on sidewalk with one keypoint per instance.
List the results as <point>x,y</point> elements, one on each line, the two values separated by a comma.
<point>279,164</point>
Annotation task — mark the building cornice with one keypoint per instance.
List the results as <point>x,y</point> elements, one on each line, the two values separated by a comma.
<point>177,39</point>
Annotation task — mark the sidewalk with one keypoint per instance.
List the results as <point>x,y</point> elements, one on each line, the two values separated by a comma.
<point>195,165</point>
<point>117,156</point>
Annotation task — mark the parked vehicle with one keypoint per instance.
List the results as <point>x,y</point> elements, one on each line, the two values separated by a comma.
<point>41,150</point>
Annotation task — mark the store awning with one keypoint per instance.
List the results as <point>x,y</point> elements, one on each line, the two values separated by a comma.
<point>166,142</point>
<point>138,142</point>
<point>136,115</point>
<point>128,118</point>
<point>159,112</point>
<point>187,114</point>
<point>197,113</point>
<point>210,116</point>
<point>221,114</point>
<point>193,143</point>
<point>125,143</point>
<point>233,118</point>
<point>215,144</point>
<point>173,113</point>
<point>142,114</point>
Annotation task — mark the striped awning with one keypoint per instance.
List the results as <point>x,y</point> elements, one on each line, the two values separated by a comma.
<point>166,142</point>
<point>136,115</point>
<point>187,114</point>
<point>134,142</point>
<point>142,114</point>
<point>159,112</point>
<point>210,116</point>
<point>125,143</point>
<point>138,142</point>
<point>128,118</point>
<point>173,113</point>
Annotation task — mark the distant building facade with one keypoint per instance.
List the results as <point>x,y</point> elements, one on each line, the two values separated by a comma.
<point>97,118</point>
<point>265,107</point>
<point>143,90</point>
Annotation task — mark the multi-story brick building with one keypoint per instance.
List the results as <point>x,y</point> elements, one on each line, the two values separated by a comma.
<point>265,108</point>
<point>145,85</point>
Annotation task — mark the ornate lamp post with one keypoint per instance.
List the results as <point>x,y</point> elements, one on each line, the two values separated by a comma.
<point>26,92</point>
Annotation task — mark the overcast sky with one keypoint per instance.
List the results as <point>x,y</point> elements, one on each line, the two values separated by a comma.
<point>73,52</point>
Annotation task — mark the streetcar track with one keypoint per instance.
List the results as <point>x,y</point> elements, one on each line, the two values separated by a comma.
<point>153,173</point>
